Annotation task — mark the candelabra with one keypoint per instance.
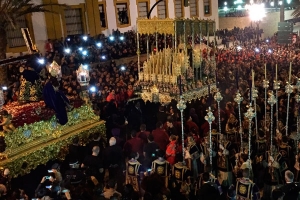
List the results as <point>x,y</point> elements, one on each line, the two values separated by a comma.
<point>218,97</point>
<point>181,106</point>
<point>254,96</point>
<point>249,114</point>
<point>288,90</point>
<point>271,100</point>
<point>265,86</point>
<point>238,99</point>
<point>210,118</point>
<point>276,87</point>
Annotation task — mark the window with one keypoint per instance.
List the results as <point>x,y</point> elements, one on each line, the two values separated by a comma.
<point>122,13</point>
<point>14,33</point>
<point>73,19</point>
<point>207,7</point>
<point>162,10</point>
<point>193,8</point>
<point>178,8</point>
<point>143,9</point>
<point>102,15</point>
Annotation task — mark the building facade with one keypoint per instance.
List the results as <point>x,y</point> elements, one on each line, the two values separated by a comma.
<point>101,16</point>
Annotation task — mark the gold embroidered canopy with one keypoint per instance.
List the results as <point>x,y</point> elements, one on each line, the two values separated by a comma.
<point>170,26</point>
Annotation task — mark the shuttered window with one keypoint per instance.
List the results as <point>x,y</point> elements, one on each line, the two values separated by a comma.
<point>178,8</point>
<point>14,34</point>
<point>162,10</point>
<point>207,7</point>
<point>143,9</point>
<point>193,8</point>
<point>74,23</point>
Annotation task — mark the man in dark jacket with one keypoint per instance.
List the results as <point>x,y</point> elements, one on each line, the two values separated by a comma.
<point>208,190</point>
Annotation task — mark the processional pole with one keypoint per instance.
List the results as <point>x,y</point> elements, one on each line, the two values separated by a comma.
<point>238,99</point>
<point>272,100</point>
<point>254,96</point>
<point>181,105</point>
<point>210,118</point>
<point>249,114</point>
<point>276,87</point>
<point>265,86</point>
<point>218,97</point>
<point>288,90</point>
<point>297,97</point>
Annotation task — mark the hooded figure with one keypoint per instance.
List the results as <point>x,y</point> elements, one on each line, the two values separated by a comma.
<point>56,100</point>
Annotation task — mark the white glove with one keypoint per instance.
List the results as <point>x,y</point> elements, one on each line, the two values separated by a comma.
<point>221,147</point>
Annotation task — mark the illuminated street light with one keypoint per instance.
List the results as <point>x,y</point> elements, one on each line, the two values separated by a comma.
<point>225,3</point>
<point>280,3</point>
<point>225,9</point>
<point>288,1</point>
<point>272,3</point>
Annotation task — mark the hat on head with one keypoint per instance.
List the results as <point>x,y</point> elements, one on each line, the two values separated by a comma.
<point>55,166</point>
<point>115,132</point>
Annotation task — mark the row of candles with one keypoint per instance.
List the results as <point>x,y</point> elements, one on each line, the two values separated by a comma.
<point>165,62</point>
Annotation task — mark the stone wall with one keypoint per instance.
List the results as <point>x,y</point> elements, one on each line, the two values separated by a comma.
<point>268,24</point>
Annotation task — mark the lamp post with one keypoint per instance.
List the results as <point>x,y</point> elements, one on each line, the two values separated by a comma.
<point>256,14</point>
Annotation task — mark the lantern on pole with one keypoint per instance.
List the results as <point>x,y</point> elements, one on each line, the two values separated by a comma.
<point>55,70</point>
<point>83,75</point>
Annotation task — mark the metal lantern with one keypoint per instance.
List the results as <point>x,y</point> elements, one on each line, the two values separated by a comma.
<point>83,75</point>
<point>55,70</point>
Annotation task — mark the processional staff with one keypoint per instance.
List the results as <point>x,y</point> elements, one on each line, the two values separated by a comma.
<point>288,90</point>
<point>276,87</point>
<point>181,106</point>
<point>272,100</point>
<point>265,86</point>
<point>210,118</point>
<point>254,96</point>
<point>297,97</point>
<point>218,97</point>
<point>249,114</point>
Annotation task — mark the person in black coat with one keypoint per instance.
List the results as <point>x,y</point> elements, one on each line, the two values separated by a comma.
<point>208,190</point>
<point>290,189</point>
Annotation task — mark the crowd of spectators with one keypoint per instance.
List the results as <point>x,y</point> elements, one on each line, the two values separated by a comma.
<point>132,126</point>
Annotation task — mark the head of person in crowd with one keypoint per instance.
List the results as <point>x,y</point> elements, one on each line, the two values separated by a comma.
<point>112,141</point>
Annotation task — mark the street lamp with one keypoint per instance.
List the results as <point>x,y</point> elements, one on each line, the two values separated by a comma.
<point>256,14</point>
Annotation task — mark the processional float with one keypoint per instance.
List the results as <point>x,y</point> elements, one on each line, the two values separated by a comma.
<point>183,70</point>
